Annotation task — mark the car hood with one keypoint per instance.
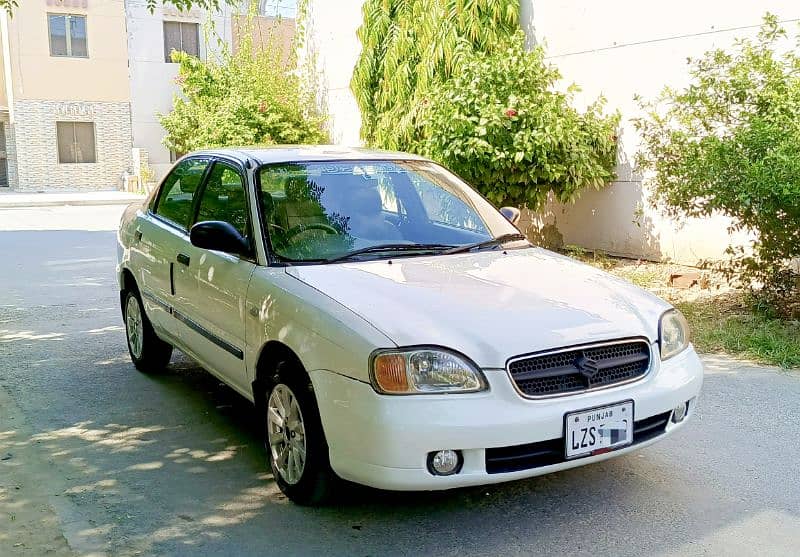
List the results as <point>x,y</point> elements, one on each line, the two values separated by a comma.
<point>489,305</point>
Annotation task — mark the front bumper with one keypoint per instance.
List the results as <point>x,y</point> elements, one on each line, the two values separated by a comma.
<point>383,441</point>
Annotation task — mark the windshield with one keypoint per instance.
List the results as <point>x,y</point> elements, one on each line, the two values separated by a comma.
<point>316,211</point>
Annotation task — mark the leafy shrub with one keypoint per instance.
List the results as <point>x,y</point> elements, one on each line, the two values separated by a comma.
<point>452,80</point>
<point>728,143</point>
<point>243,98</point>
<point>501,124</point>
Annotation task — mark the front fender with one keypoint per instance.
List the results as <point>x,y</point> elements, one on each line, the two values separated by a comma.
<point>323,333</point>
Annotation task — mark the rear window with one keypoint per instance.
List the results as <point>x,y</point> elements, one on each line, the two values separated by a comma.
<point>177,192</point>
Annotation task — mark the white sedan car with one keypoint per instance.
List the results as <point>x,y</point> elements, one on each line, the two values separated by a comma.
<point>391,326</point>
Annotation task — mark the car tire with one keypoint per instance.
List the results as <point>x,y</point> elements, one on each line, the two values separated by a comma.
<point>148,352</point>
<point>297,451</point>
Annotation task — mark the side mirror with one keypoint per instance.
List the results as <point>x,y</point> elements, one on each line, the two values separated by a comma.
<point>219,236</point>
<point>512,214</point>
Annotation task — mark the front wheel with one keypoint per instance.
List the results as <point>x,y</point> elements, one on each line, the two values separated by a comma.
<point>148,352</point>
<point>296,446</point>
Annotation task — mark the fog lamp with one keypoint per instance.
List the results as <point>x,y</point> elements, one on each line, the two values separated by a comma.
<point>679,413</point>
<point>444,463</point>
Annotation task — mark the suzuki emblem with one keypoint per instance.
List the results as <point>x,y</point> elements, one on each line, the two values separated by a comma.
<point>587,366</point>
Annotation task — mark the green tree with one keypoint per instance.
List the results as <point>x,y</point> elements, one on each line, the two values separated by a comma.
<point>249,97</point>
<point>502,125</point>
<point>728,143</point>
<point>451,79</point>
<point>408,46</point>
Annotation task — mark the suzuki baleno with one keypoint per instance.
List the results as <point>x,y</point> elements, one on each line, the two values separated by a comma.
<point>391,326</point>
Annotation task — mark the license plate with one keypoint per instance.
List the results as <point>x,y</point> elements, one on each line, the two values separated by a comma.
<point>598,430</point>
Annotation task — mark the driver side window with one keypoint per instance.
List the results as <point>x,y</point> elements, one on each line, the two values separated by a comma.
<point>225,199</point>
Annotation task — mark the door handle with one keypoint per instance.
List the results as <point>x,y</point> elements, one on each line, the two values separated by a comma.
<point>183,259</point>
<point>137,236</point>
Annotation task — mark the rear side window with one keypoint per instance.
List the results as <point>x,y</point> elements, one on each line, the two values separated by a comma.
<point>175,201</point>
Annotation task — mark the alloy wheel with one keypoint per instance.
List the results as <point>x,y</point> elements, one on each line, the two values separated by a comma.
<point>286,434</point>
<point>134,326</point>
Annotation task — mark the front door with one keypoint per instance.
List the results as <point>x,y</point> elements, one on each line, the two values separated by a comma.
<point>218,306</point>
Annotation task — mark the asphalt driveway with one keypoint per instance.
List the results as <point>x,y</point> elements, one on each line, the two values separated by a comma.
<point>96,458</point>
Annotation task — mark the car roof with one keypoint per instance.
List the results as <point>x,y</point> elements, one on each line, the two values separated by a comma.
<point>306,153</point>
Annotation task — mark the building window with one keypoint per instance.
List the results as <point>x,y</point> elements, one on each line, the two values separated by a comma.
<point>75,142</point>
<point>181,36</point>
<point>68,35</point>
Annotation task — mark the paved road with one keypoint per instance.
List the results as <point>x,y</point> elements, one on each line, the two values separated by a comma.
<point>102,459</point>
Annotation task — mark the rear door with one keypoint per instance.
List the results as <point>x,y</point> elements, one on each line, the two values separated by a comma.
<point>162,240</point>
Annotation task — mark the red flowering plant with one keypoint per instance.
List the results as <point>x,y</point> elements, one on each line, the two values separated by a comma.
<point>502,124</point>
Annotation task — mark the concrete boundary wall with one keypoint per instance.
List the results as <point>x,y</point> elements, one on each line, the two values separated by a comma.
<point>625,48</point>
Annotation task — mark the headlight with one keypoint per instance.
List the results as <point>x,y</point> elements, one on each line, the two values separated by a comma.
<point>673,334</point>
<point>424,371</point>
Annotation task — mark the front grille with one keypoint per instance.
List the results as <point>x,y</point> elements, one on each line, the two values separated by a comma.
<point>580,369</point>
<point>546,453</point>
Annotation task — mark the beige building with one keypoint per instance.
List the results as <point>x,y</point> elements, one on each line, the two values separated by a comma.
<point>65,99</point>
<point>83,83</point>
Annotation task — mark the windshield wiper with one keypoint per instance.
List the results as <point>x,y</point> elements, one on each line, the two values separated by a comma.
<point>503,238</point>
<point>390,248</point>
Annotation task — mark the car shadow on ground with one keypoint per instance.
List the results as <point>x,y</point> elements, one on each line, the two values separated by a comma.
<point>173,463</point>
<point>641,496</point>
